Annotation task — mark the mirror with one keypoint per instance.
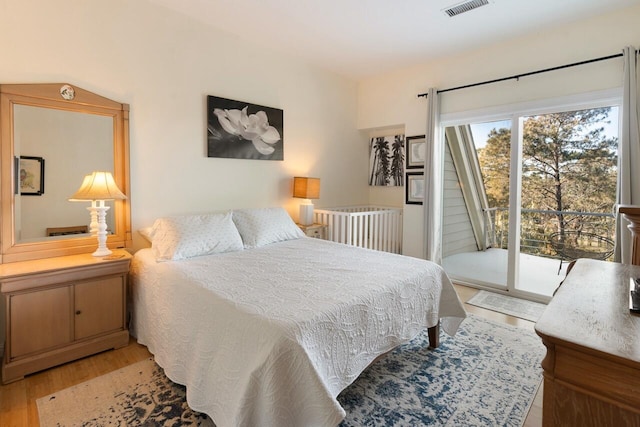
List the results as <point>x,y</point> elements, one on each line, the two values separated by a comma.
<point>71,143</point>
<point>52,135</point>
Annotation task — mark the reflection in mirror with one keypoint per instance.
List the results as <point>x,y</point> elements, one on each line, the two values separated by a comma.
<point>72,132</point>
<point>72,145</point>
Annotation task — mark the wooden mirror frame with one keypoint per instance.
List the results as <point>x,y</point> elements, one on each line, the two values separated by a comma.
<point>65,97</point>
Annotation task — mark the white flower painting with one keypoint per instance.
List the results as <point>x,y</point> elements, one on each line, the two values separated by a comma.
<point>242,130</point>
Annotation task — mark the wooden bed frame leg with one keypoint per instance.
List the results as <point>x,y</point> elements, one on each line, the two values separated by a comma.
<point>434,336</point>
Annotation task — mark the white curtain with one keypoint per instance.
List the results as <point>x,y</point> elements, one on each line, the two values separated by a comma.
<point>628,153</point>
<point>433,181</point>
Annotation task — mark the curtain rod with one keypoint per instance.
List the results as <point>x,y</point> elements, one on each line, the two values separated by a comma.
<point>517,76</point>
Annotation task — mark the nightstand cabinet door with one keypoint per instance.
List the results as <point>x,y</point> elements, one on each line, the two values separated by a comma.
<point>40,320</point>
<point>90,299</point>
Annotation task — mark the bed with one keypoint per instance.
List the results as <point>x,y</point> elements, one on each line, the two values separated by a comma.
<point>265,326</point>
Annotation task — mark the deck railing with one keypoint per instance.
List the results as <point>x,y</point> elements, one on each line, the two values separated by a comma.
<point>540,228</point>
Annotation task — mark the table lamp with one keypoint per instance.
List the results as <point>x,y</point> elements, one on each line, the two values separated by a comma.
<point>98,187</point>
<point>307,189</point>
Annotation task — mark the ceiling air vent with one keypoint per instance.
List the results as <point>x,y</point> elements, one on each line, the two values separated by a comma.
<point>465,7</point>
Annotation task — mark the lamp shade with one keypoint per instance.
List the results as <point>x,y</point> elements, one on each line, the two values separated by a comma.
<point>306,188</point>
<point>98,186</point>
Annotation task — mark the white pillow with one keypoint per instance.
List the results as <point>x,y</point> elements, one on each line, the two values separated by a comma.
<point>259,227</point>
<point>182,237</point>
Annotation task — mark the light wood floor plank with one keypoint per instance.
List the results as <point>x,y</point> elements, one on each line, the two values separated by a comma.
<point>18,400</point>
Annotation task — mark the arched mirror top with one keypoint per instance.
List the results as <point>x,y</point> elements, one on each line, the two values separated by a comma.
<point>51,136</point>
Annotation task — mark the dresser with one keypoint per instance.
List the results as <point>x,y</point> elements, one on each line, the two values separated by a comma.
<point>592,365</point>
<point>60,309</point>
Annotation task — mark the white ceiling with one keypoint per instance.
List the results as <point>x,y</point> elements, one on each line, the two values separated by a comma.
<point>358,38</point>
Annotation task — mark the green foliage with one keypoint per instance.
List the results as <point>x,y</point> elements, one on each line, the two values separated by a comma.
<point>494,162</point>
<point>568,164</point>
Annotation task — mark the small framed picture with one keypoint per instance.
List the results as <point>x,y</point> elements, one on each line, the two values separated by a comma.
<point>31,176</point>
<point>416,152</point>
<point>414,188</point>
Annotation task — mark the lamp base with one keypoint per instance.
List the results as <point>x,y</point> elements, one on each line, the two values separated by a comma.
<point>102,252</point>
<point>306,213</point>
<point>101,232</point>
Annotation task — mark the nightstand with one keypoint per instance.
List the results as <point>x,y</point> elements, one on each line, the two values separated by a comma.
<point>61,309</point>
<point>318,231</point>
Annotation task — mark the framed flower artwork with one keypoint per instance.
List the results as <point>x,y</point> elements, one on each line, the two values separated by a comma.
<point>241,130</point>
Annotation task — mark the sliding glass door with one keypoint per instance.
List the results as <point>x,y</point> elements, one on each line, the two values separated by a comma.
<point>526,194</point>
<point>568,188</point>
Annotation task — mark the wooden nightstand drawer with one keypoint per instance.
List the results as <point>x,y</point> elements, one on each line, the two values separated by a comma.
<point>317,231</point>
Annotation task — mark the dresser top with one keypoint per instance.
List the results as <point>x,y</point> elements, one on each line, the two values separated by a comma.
<point>591,310</point>
<point>21,268</point>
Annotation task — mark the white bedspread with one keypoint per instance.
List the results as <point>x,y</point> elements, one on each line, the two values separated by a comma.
<point>270,336</point>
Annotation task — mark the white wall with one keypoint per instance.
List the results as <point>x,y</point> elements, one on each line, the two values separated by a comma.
<point>391,99</point>
<point>164,65</point>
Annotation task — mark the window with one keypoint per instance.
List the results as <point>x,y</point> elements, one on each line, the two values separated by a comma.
<point>545,194</point>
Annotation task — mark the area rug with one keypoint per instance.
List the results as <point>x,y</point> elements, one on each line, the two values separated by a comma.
<point>517,307</point>
<point>136,395</point>
<point>487,375</point>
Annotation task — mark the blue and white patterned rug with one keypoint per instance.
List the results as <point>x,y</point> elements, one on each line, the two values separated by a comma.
<point>487,375</point>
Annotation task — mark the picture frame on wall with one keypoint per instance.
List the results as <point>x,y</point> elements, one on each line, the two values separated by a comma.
<point>416,152</point>
<point>30,173</point>
<point>242,130</point>
<point>386,160</point>
<point>414,188</point>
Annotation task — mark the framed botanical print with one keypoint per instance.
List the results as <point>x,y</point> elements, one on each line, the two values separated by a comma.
<point>416,152</point>
<point>414,189</point>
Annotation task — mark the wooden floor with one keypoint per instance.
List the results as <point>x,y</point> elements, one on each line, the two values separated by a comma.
<point>18,400</point>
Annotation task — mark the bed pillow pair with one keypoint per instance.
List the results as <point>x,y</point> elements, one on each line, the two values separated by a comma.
<point>182,237</point>
<point>262,226</point>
